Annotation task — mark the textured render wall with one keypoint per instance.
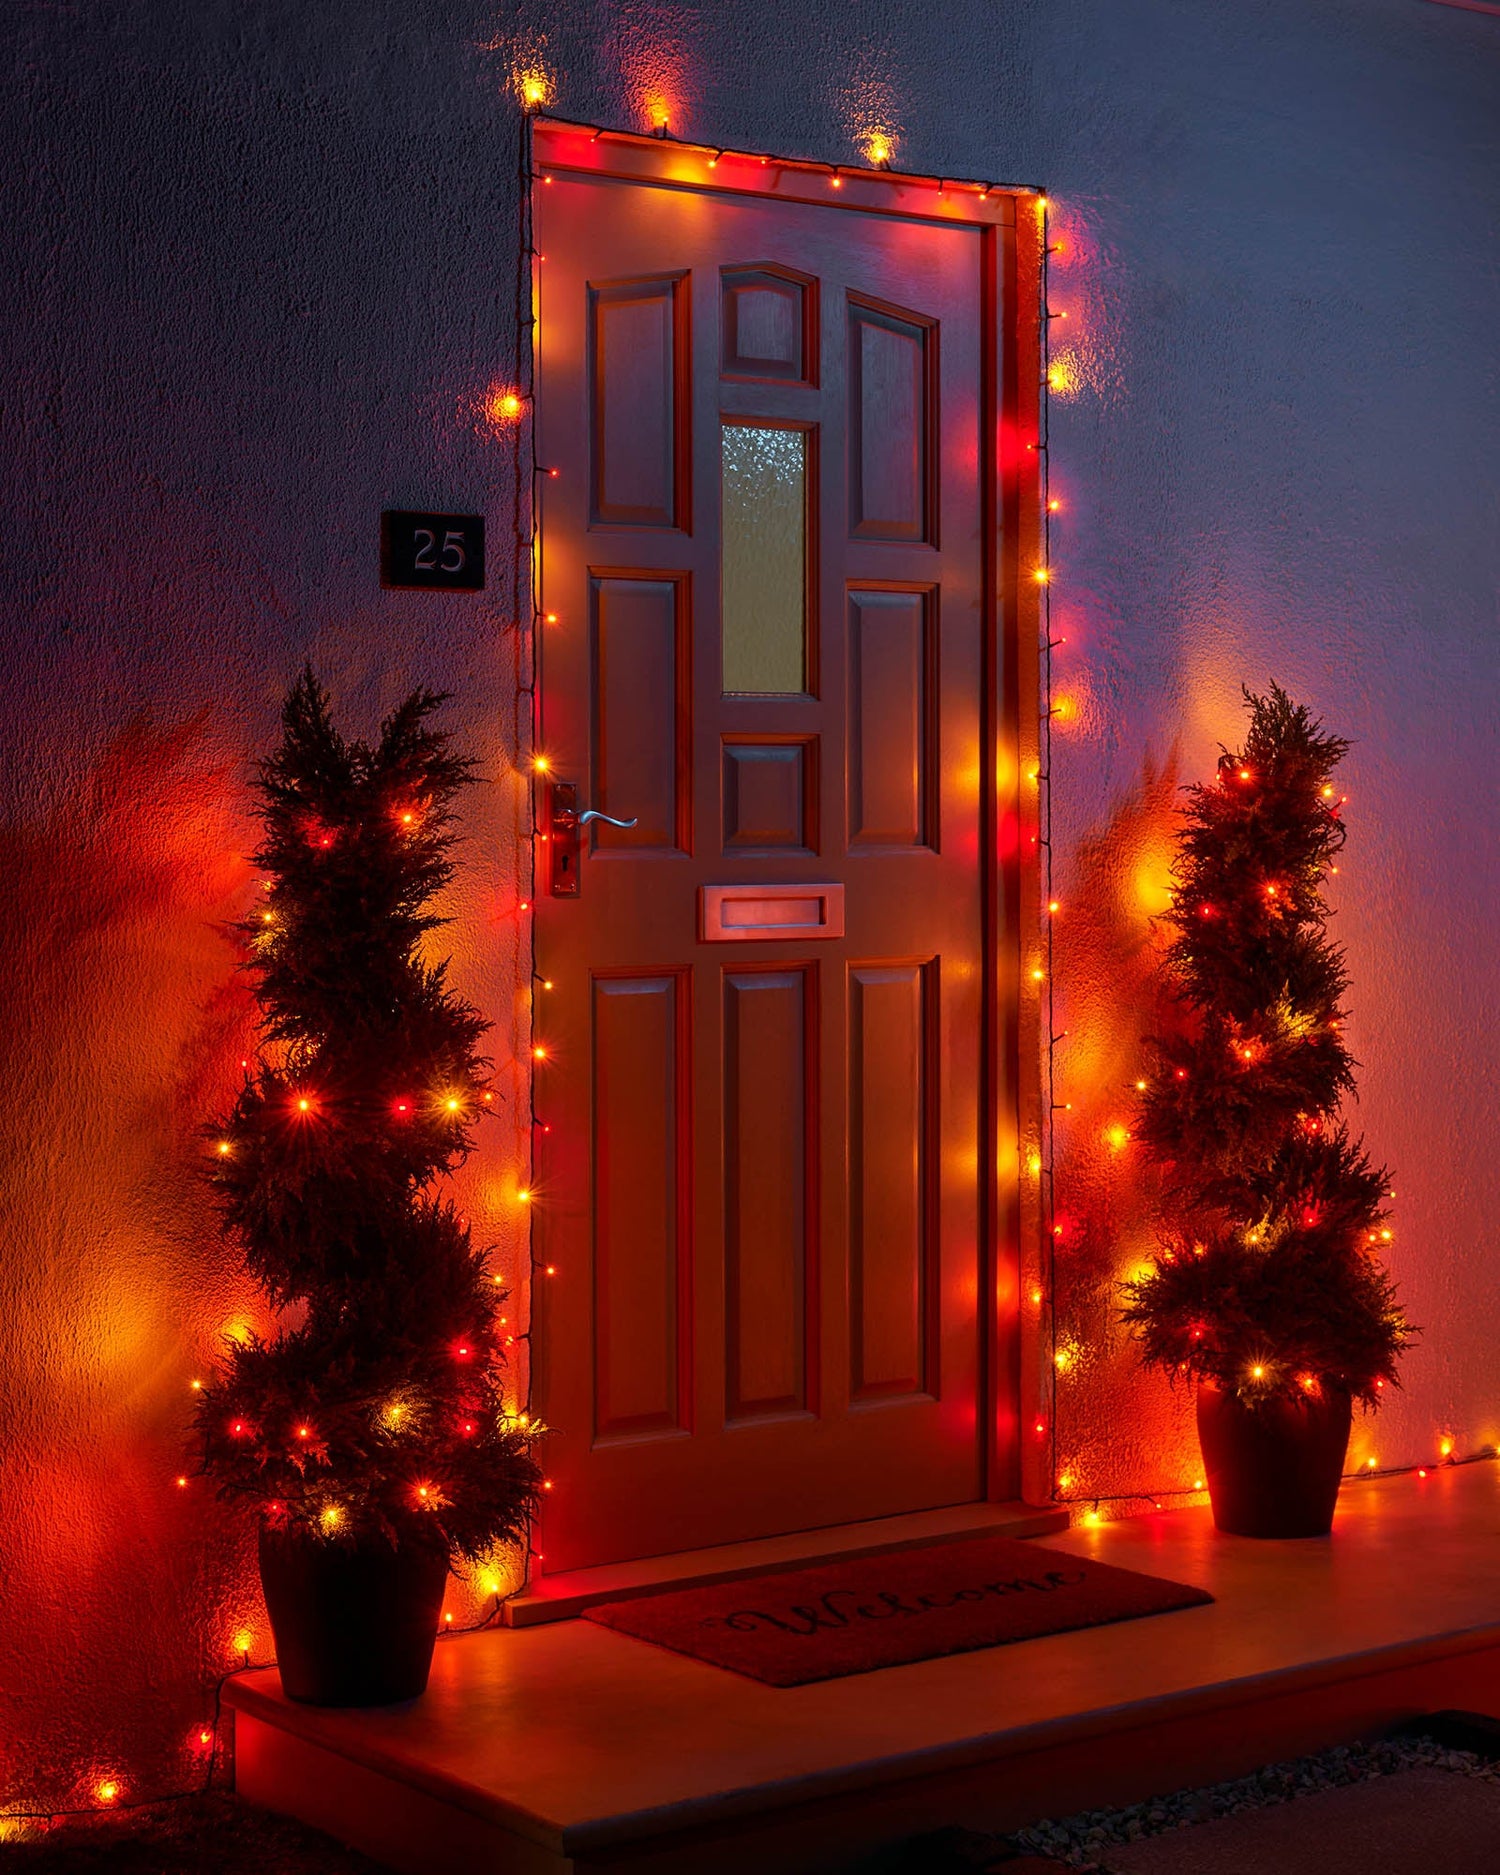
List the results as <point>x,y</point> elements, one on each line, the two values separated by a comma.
<point>261,283</point>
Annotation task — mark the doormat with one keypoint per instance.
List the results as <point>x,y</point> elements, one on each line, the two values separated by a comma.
<point>819,1623</point>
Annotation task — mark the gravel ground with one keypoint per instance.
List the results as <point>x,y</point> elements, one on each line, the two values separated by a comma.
<point>219,1835</point>
<point>1083,1841</point>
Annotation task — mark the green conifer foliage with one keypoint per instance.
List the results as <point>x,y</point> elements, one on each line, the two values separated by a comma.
<point>1269,1280</point>
<point>380,1410</point>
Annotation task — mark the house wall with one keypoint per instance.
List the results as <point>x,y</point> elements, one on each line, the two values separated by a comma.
<point>261,283</point>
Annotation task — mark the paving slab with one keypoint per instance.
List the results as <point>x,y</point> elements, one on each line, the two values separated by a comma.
<point>1420,1822</point>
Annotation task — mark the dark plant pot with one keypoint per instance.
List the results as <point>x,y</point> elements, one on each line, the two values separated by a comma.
<point>354,1623</point>
<point>1273,1469</point>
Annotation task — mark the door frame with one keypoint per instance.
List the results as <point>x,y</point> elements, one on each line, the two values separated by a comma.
<point>1012,1367</point>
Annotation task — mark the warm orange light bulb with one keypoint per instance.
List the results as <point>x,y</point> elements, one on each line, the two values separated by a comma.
<point>1038,975</point>
<point>522,1197</point>
<point>1042,575</point>
<point>1257,1373</point>
<point>539,1053</point>
<point>1446,1448</point>
<point>108,1790</point>
<point>1053,506</point>
<point>453,1106</point>
<point>304,1106</point>
<point>540,763</point>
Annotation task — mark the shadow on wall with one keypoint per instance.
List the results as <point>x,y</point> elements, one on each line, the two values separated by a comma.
<point>125,1591</point>
<point>1118,1429</point>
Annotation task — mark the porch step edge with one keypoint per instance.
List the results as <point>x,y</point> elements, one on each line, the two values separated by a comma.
<point>561,1597</point>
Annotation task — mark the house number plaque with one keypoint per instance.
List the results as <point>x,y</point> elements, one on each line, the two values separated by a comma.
<point>443,552</point>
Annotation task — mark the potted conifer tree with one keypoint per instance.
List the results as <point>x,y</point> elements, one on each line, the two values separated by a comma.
<point>1269,1288</point>
<point>369,1432</point>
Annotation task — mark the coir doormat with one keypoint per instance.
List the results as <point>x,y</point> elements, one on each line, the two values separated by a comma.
<point>818,1623</point>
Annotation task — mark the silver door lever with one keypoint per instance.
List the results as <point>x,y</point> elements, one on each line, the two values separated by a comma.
<point>565,822</point>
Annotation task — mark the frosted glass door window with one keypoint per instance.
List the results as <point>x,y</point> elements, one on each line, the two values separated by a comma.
<point>764,560</point>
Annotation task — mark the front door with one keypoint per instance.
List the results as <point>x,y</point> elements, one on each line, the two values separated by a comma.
<point>766,574</point>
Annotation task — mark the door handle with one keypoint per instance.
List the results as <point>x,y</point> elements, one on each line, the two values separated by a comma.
<point>565,824</point>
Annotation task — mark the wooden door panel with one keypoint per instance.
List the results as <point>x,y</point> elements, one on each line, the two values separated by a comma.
<point>769,325</point>
<point>640,677</point>
<point>637,370</point>
<point>770,1130</point>
<point>760,1189</point>
<point>770,794</point>
<point>641,1258</point>
<point>893,753</point>
<point>893,1122</point>
<point>892,413</point>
